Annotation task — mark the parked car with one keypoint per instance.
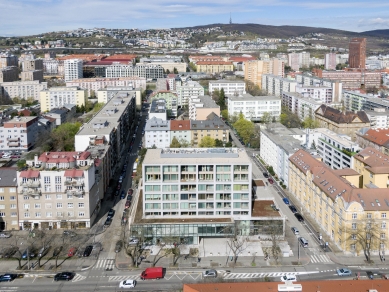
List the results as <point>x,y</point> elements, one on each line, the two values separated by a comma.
<point>288,278</point>
<point>210,274</point>
<point>57,251</point>
<point>293,209</point>
<point>108,222</point>
<point>271,181</point>
<point>69,233</point>
<point>130,191</point>
<point>127,205</point>
<point>72,251</point>
<point>119,186</point>
<point>119,245</point>
<point>295,230</point>
<point>5,235</point>
<point>127,284</point>
<point>88,251</point>
<point>8,277</point>
<point>122,195</point>
<point>299,217</point>
<point>343,272</point>
<point>30,252</point>
<point>266,175</point>
<point>129,198</point>
<point>133,241</point>
<point>370,275</point>
<point>286,201</point>
<point>43,251</point>
<point>121,179</point>
<point>64,276</point>
<point>117,192</point>
<point>111,213</point>
<point>9,252</point>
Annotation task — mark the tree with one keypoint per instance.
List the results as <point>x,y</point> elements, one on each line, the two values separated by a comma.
<point>21,163</point>
<point>289,119</point>
<point>222,100</point>
<point>215,95</point>
<point>266,118</point>
<point>245,128</point>
<point>218,143</point>
<point>310,123</point>
<point>207,142</point>
<point>224,114</point>
<point>175,71</point>
<point>184,143</point>
<point>167,71</point>
<point>254,89</point>
<point>175,143</point>
<point>365,235</point>
<point>63,136</point>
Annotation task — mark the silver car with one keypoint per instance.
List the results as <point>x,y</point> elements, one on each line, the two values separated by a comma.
<point>210,274</point>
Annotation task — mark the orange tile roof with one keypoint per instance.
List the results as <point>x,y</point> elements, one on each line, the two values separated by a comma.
<point>213,63</point>
<point>308,286</point>
<point>379,137</point>
<point>180,125</point>
<point>374,160</point>
<point>120,56</point>
<point>84,57</point>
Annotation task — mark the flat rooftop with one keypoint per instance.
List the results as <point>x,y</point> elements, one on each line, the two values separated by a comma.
<point>249,97</point>
<point>192,156</point>
<point>263,208</point>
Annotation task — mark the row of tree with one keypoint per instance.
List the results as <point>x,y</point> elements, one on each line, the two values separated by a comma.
<point>206,142</point>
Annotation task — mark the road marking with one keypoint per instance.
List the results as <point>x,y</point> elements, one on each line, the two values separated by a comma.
<point>263,275</point>
<point>78,278</point>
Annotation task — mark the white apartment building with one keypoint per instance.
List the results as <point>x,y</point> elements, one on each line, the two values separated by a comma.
<point>322,93</point>
<point>303,106</point>
<point>19,134</point>
<point>354,100</point>
<point>229,86</point>
<point>148,71</point>
<point>158,109</point>
<point>379,118</point>
<point>58,190</point>
<point>197,183</point>
<point>278,143</point>
<point>53,67</point>
<point>72,69</point>
<point>200,107</point>
<point>94,84</point>
<point>23,89</point>
<point>329,146</point>
<point>157,133</point>
<point>253,107</point>
<point>187,90</point>
<point>57,97</point>
<point>275,85</point>
<point>106,94</point>
<point>309,80</point>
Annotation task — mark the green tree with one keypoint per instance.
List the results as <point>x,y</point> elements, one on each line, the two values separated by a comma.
<point>224,114</point>
<point>184,143</point>
<point>175,143</point>
<point>175,71</point>
<point>63,136</point>
<point>245,128</point>
<point>21,163</point>
<point>222,100</point>
<point>218,143</point>
<point>266,118</point>
<point>207,142</point>
<point>167,71</point>
<point>310,123</point>
<point>254,89</point>
<point>216,95</point>
<point>289,119</point>
<point>192,66</point>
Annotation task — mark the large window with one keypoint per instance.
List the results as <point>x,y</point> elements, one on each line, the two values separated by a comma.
<point>152,188</point>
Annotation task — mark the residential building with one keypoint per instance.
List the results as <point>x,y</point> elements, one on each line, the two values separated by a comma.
<point>212,127</point>
<point>309,80</point>
<point>276,85</point>
<point>32,75</point>
<point>374,102</point>
<point>197,183</point>
<point>33,64</point>
<point>213,67</point>
<point>107,93</point>
<point>334,201</point>
<point>158,109</point>
<point>357,53</point>
<point>354,100</point>
<point>58,190</point>
<point>171,100</point>
<point>253,70</point>
<point>72,69</point>
<point>148,71</point>
<point>336,150</point>
<point>373,166</point>
<point>166,63</point>
<point>180,129</point>
<point>379,118</point>
<point>330,61</point>
<point>58,114</point>
<point>374,138</point>
<point>229,86</point>
<point>157,133</point>
<point>9,215</point>
<point>168,83</point>
<point>56,97</point>
<point>9,74</point>
<point>322,93</point>
<point>301,105</point>
<point>19,134</point>
<point>7,60</point>
<point>201,106</point>
<point>341,122</point>
<point>253,107</point>
<point>188,89</point>
<point>94,84</point>
<point>294,61</point>
<point>278,143</point>
<point>23,89</point>
<point>352,79</point>
<point>53,67</point>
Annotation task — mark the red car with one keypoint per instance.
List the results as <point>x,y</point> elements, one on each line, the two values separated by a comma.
<point>72,251</point>
<point>130,191</point>
<point>271,181</point>
<point>127,205</point>
<point>119,186</point>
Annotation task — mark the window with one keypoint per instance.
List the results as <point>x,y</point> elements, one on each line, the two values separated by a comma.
<point>382,236</point>
<point>383,225</point>
<point>354,226</point>
<point>26,197</point>
<point>368,215</point>
<point>354,215</point>
<point>14,214</point>
<point>37,206</point>
<point>70,214</point>
<point>383,215</point>
<point>48,197</point>
<point>353,236</point>
<point>48,206</point>
<point>46,179</point>
<point>26,215</point>
<point>81,214</point>
<point>70,196</point>
<point>57,179</point>
<point>2,191</point>
<point>59,205</point>
<point>49,214</point>
<point>26,206</point>
<point>81,205</point>
<point>12,190</point>
<point>12,198</point>
<point>58,188</point>
<point>13,206</point>
<point>2,214</point>
<point>59,214</point>
<point>70,205</point>
<point>38,214</point>
<point>352,246</point>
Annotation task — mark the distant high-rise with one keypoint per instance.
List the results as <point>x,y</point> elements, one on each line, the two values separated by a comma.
<point>330,61</point>
<point>73,69</point>
<point>357,53</point>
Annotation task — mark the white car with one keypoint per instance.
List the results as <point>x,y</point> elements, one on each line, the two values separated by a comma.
<point>286,278</point>
<point>127,284</point>
<point>133,241</point>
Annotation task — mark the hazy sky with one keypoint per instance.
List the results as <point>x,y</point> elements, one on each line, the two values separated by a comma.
<point>26,17</point>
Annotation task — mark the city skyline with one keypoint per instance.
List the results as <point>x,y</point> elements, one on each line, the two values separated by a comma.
<point>60,15</point>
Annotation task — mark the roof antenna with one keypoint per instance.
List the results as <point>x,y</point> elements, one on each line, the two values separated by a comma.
<point>230,18</point>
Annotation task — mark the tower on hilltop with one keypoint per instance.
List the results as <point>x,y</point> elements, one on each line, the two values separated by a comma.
<point>230,18</point>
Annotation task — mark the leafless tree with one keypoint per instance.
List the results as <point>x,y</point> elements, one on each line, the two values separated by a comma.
<point>44,238</point>
<point>275,248</point>
<point>20,244</point>
<point>134,251</point>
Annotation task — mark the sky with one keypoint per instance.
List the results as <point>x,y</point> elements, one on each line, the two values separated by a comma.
<point>28,17</point>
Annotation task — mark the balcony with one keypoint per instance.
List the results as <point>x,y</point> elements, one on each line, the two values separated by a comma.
<point>31,192</point>
<point>75,192</point>
<point>74,183</point>
<point>13,139</point>
<point>31,184</point>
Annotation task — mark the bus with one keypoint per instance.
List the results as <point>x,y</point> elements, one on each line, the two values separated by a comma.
<point>134,169</point>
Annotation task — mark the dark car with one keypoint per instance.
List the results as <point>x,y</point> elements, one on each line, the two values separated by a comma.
<point>57,251</point>
<point>69,233</point>
<point>118,246</point>
<point>130,191</point>
<point>64,276</point>
<point>127,205</point>
<point>9,252</point>
<point>88,251</point>
<point>111,213</point>
<point>370,275</point>
<point>8,277</point>
<point>117,193</point>
<point>129,198</point>
<point>266,175</point>
<point>30,252</point>
<point>271,181</point>
<point>108,222</point>
<point>122,195</point>
<point>119,186</point>
<point>293,209</point>
<point>299,217</point>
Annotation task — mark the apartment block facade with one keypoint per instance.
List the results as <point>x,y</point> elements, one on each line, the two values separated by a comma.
<point>171,100</point>
<point>330,61</point>
<point>56,97</point>
<point>23,90</point>
<point>212,127</point>
<point>196,182</point>
<point>19,134</point>
<point>73,69</point>
<point>301,105</point>
<point>229,86</point>
<point>276,85</point>
<point>188,89</point>
<point>157,133</point>
<point>213,67</point>
<point>357,53</point>
<point>9,215</point>
<point>254,69</point>
<point>9,74</point>
<point>200,107</point>
<point>148,71</point>
<point>352,80</point>
<point>32,75</point>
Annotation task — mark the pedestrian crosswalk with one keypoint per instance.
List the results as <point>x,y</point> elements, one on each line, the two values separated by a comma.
<point>122,278</point>
<point>261,275</point>
<point>78,277</point>
<point>322,258</point>
<point>104,264</point>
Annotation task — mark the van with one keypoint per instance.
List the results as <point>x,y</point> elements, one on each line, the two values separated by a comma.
<point>153,273</point>
<point>303,241</point>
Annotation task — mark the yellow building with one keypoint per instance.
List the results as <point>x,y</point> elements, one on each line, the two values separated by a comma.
<point>254,69</point>
<point>57,97</point>
<point>212,127</point>
<point>373,166</point>
<point>214,66</point>
<point>334,201</point>
<point>8,199</point>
